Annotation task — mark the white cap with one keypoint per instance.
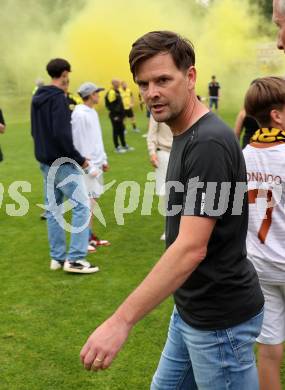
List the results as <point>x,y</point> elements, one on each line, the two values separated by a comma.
<point>88,88</point>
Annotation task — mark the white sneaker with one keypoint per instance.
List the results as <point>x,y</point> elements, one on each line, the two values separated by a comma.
<point>91,249</point>
<point>55,265</point>
<point>128,148</point>
<point>80,267</point>
<point>162,237</point>
<point>120,150</point>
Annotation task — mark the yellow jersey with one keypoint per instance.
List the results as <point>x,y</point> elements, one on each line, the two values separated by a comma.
<point>126,95</point>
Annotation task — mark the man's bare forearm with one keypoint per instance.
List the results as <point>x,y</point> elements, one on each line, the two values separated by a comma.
<point>171,271</point>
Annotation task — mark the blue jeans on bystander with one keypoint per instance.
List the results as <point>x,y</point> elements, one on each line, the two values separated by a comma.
<point>74,190</point>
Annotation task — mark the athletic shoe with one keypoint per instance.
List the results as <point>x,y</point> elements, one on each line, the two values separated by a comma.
<point>97,242</point>
<point>136,130</point>
<point>128,148</point>
<point>120,150</point>
<point>43,216</point>
<point>55,265</point>
<point>80,267</point>
<point>162,237</point>
<point>91,248</point>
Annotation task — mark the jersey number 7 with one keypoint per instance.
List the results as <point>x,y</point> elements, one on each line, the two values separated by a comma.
<point>267,220</point>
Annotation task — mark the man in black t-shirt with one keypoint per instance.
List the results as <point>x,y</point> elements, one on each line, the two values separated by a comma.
<point>218,308</point>
<point>214,93</point>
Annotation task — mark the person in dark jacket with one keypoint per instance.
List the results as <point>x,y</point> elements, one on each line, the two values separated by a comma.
<point>114,104</point>
<point>51,131</point>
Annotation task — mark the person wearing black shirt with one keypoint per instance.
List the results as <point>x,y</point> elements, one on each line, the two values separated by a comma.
<point>247,125</point>
<point>218,308</point>
<point>114,105</point>
<point>213,90</point>
<point>2,130</point>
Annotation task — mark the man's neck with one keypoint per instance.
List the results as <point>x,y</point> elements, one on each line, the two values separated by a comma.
<point>193,111</point>
<point>273,125</point>
<point>88,104</point>
<point>56,83</point>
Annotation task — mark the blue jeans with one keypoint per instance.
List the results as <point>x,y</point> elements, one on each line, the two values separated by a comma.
<point>208,360</point>
<point>214,101</point>
<point>74,189</point>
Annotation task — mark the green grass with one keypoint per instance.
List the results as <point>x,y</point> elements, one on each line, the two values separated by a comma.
<point>45,316</point>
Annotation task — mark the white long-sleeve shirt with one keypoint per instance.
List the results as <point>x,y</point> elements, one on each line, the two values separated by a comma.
<point>159,136</point>
<point>87,134</point>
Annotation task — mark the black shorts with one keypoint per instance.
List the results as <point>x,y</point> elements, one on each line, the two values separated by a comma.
<point>129,113</point>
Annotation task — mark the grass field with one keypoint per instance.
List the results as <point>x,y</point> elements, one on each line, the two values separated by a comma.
<point>46,316</point>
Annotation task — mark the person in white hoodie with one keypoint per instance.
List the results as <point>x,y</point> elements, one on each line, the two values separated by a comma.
<point>87,138</point>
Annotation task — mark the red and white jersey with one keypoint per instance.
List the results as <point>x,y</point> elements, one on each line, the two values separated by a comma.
<point>265,165</point>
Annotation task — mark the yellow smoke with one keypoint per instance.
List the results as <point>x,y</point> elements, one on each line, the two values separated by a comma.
<point>96,37</point>
<point>98,40</point>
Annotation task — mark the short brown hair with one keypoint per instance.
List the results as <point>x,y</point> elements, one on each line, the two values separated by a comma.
<point>155,42</point>
<point>265,94</point>
<point>57,66</point>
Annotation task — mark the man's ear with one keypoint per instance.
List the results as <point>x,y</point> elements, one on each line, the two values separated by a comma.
<point>276,117</point>
<point>191,75</point>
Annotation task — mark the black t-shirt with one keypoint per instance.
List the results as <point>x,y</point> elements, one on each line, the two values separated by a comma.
<point>2,118</point>
<point>214,89</point>
<point>224,289</point>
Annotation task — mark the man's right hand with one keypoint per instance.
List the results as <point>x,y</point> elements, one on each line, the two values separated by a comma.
<point>104,343</point>
<point>154,160</point>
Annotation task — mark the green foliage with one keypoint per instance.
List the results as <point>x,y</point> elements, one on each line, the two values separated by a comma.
<point>265,7</point>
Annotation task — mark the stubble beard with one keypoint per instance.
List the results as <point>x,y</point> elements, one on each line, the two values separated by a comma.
<point>168,117</point>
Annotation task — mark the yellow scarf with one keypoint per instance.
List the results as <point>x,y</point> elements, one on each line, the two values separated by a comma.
<point>266,135</point>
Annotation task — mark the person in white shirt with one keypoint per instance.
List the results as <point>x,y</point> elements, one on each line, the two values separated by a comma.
<point>87,138</point>
<point>265,163</point>
<point>159,142</point>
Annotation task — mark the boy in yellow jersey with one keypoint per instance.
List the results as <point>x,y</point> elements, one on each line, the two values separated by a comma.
<point>265,163</point>
<point>128,103</point>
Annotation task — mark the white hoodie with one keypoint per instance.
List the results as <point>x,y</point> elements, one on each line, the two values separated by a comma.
<point>87,134</point>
